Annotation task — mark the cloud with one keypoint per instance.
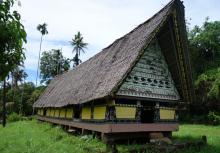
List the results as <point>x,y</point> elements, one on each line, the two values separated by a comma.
<point>100,22</point>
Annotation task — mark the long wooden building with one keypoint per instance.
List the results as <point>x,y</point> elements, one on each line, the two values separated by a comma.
<point>135,85</point>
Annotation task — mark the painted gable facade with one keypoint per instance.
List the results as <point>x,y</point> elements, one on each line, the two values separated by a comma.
<point>150,77</point>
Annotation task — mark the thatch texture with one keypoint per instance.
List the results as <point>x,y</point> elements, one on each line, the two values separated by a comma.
<point>99,76</point>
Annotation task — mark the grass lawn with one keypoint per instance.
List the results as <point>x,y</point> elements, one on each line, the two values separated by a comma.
<point>32,137</point>
<point>194,132</point>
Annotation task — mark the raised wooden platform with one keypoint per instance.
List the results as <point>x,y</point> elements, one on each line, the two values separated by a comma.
<point>111,128</point>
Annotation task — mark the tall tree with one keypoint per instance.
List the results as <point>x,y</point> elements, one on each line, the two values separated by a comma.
<point>53,63</point>
<point>78,47</point>
<point>18,75</point>
<point>204,43</point>
<point>12,37</point>
<point>43,30</point>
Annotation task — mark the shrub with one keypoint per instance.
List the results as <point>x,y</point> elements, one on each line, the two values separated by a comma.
<point>213,118</point>
<point>13,117</point>
<point>198,119</point>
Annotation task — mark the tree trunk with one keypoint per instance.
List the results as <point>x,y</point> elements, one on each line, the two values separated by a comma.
<point>39,59</point>
<point>4,104</point>
<point>77,59</point>
<point>21,103</point>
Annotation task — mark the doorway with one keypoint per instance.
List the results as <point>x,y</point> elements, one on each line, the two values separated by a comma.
<point>77,112</point>
<point>45,112</point>
<point>147,115</point>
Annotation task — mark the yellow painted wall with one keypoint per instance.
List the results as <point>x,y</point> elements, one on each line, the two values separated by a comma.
<point>99,112</point>
<point>41,111</point>
<point>48,112</point>
<point>125,112</point>
<point>86,113</point>
<point>167,114</point>
<point>38,112</point>
<point>52,112</point>
<point>69,113</point>
<point>62,112</point>
<point>57,112</point>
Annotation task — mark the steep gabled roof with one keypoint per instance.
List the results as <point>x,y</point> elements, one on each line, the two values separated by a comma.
<point>100,76</point>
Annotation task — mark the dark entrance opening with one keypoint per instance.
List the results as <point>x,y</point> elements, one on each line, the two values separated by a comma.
<point>45,111</point>
<point>147,115</point>
<point>77,112</point>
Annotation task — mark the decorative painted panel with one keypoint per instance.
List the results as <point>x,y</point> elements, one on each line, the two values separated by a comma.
<point>150,77</point>
<point>99,112</point>
<point>124,112</point>
<point>39,111</point>
<point>51,112</point>
<point>69,113</point>
<point>63,112</point>
<point>42,112</point>
<point>86,113</point>
<point>48,112</point>
<point>57,113</point>
<point>167,114</point>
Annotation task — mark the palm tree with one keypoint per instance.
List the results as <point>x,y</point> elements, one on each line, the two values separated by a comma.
<point>78,47</point>
<point>17,76</point>
<point>22,94</point>
<point>43,30</point>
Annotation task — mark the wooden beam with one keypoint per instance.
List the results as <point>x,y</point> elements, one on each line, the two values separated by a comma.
<point>114,128</point>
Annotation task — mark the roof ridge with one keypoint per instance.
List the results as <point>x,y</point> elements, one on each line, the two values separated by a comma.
<point>172,1</point>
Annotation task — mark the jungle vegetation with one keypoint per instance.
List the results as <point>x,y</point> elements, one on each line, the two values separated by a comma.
<point>204,47</point>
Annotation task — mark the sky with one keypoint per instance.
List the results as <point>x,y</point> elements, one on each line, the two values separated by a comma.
<point>99,21</point>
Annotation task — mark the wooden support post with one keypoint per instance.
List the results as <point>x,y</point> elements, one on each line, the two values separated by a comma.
<point>110,102</point>
<point>110,143</point>
<point>86,131</point>
<point>138,111</point>
<point>111,114</point>
<point>103,137</point>
<point>93,134</point>
<point>157,112</point>
<point>92,110</point>
<point>83,131</point>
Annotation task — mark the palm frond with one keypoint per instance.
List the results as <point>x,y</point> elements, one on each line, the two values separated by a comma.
<point>42,28</point>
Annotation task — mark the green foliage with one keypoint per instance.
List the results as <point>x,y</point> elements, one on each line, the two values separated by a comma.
<point>213,118</point>
<point>210,119</point>
<point>42,28</point>
<point>205,47</point>
<point>78,47</point>
<point>207,88</point>
<point>33,97</point>
<point>215,89</point>
<point>12,37</point>
<point>18,75</point>
<point>21,99</point>
<point>53,63</point>
<point>14,117</point>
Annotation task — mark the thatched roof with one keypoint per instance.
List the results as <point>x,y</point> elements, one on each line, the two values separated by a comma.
<point>100,76</point>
